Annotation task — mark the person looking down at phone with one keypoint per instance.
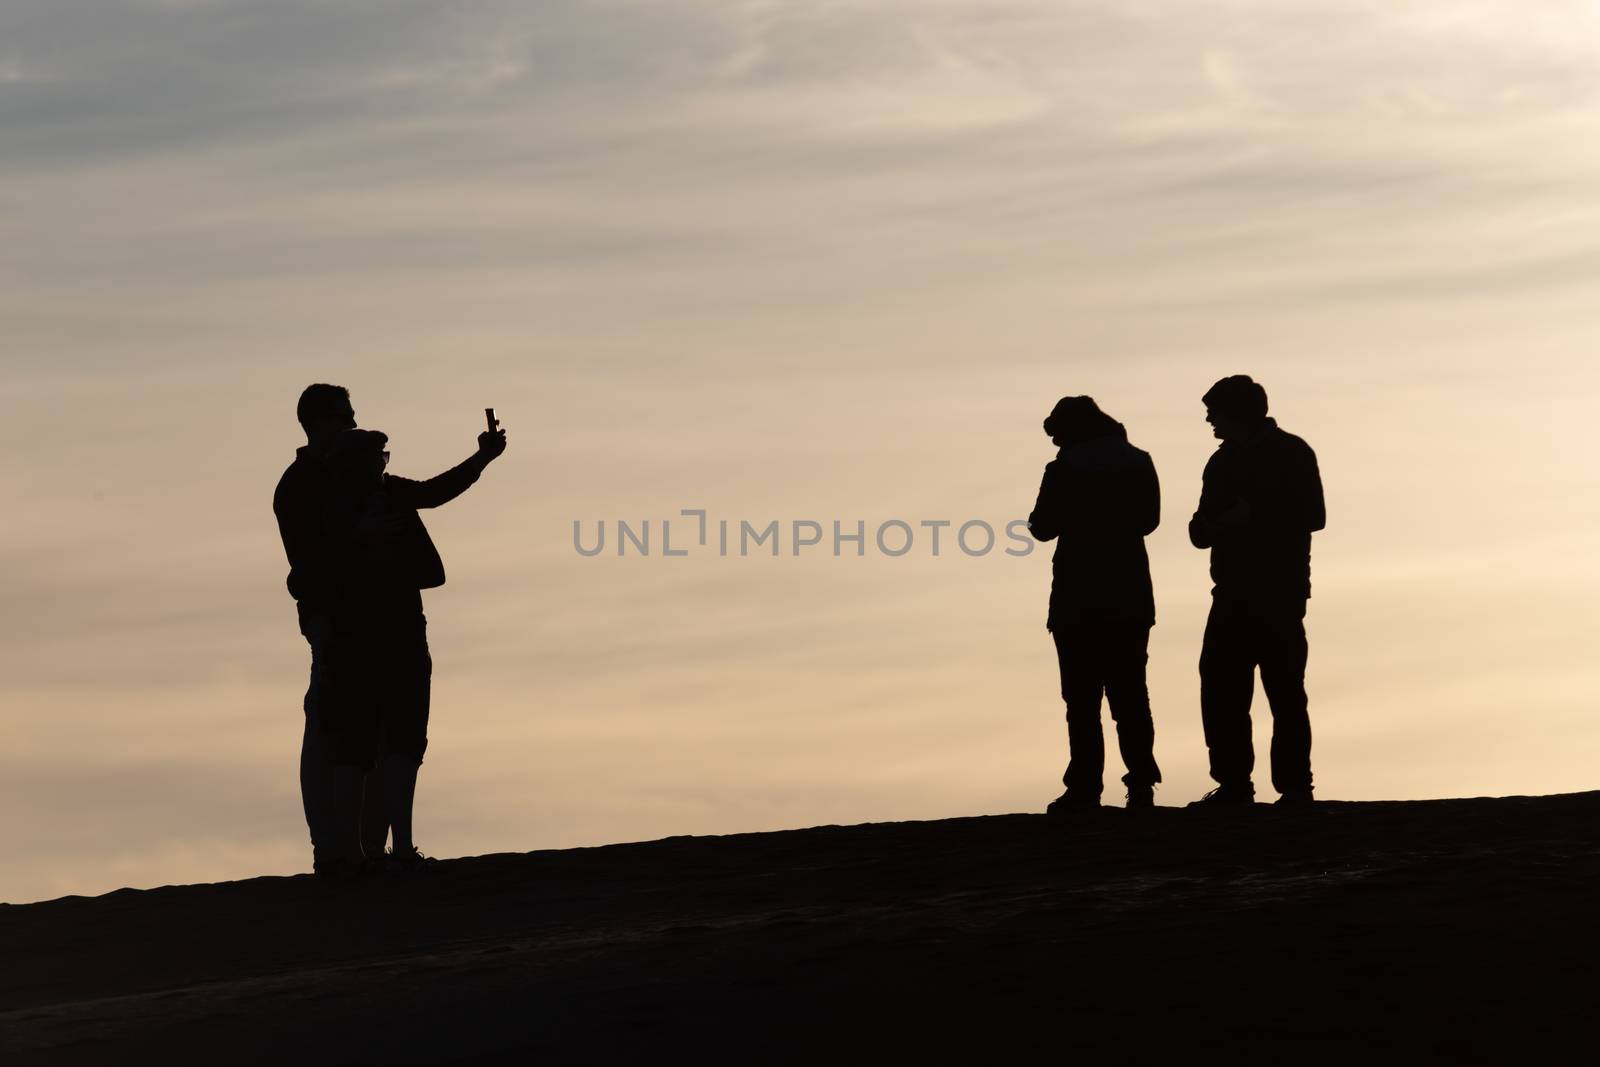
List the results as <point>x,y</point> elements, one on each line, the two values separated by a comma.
<point>358,558</point>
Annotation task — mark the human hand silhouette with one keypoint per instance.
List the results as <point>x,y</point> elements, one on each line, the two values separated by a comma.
<point>491,444</point>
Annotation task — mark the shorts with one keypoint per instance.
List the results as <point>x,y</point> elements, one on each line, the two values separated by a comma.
<point>375,693</point>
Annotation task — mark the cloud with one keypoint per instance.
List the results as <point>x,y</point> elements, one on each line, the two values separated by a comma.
<point>298,140</point>
<point>778,259</point>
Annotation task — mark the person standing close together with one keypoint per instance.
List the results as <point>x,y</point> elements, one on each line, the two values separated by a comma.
<point>358,557</point>
<point>1260,501</point>
<point>1098,500</point>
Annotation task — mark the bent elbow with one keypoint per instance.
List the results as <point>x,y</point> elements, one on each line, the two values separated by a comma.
<point>1042,525</point>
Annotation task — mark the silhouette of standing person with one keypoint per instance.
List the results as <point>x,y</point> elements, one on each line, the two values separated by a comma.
<point>380,671</point>
<point>1098,500</point>
<point>1260,501</point>
<point>336,541</point>
<point>298,502</point>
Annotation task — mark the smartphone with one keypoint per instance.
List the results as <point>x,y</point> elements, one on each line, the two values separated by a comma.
<point>494,423</point>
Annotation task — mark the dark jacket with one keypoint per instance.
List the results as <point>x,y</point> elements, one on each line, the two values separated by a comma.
<point>383,553</point>
<point>1097,501</point>
<point>1268,558</point>
<point>318,549</point>
<point>300,505</point>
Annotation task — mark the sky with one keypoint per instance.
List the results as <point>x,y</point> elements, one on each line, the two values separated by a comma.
<point>781,260</point>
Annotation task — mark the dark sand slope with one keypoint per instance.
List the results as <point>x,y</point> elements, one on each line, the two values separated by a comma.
<point>1441,931</point>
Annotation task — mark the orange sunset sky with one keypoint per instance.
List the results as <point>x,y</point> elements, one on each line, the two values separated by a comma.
<point>776,260</point>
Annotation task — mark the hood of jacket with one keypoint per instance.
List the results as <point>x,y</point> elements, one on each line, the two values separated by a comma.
<point>1107,453</point>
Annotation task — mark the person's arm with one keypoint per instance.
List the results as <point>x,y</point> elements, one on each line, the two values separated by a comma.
<point>297,506</point>
<point>1148,515</point>
<point>443,488</point>
<point>1201,532</point>
<point>1295,505</point>
<point>1044,522</point>
<point>1313,508</point>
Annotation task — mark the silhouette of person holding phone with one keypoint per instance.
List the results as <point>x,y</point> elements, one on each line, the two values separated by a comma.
<point>1098,500</point>
<point>358,558</point>
<point>1260,501</point>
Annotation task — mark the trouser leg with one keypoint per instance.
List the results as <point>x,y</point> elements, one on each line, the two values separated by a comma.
<point>348,733</point>
<point>1227,685</point>
<point>1128,694</point>
<point>344,811</point>
<point>407,698</point>
<point>374,815</point>
<point>1082,683</point>
<point>314,786</point>
<point>399,795</point>
<point>1283,677</point>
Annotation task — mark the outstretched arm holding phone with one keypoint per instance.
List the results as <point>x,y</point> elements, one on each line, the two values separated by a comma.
<point>445,487</point>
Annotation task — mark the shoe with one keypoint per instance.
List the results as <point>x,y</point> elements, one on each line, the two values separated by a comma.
<point>1295,798</point>
<point>1070,803</point>
<point>409,861</point>
<point>1141,797</point>
<point>1224,796</point>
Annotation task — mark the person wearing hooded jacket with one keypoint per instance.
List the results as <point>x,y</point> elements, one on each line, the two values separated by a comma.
<point>1098,500</point>
<point>1260,501</point>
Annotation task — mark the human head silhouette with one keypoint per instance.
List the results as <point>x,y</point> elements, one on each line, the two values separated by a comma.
<point>1235,407</point>
<point>324,411</point>
<point>1078,418</point>
<point>357,457</point>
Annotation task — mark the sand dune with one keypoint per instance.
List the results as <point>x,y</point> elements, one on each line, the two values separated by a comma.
<point>1443,931</point>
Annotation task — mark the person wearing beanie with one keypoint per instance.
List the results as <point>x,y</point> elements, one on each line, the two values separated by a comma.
<point>1098,500</point>
<point>1260,501</point>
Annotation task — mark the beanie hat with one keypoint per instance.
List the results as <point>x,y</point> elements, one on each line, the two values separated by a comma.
<point>1239,398</point>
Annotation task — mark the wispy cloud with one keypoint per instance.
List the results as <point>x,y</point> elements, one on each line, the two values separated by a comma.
<point>782,259</point>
